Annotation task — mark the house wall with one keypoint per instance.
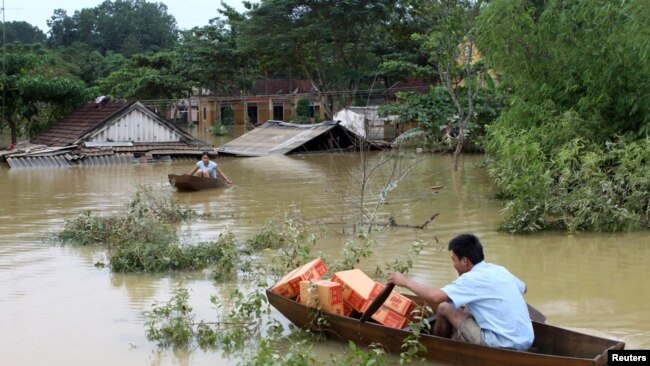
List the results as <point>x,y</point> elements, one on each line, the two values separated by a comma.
<point>287,111</point>
<point>213,105</point>
<point>207,113</point>
<point>263,112</point>
<point>136,126</point>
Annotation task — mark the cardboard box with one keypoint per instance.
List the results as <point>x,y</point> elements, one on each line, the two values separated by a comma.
<point>326,295</point>
<point>289,285</point>
<point>386,316</point>
<point>358,288</point>
<point>347,309</point>
<point>397,302</point>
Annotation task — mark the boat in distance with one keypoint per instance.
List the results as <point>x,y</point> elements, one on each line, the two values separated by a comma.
<point>188,183</point>
<point>553,346</point>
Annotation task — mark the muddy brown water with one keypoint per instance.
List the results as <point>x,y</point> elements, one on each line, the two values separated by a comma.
<point>57,308</point>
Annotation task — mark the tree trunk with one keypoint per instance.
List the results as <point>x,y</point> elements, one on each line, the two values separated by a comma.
<point>13,129</point>
<point>459,144</point>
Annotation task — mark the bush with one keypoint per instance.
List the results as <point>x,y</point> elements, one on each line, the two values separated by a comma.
<point>227,116</point>
<point>219,129</point>
<point>302,111</point>
<point>553,177</point>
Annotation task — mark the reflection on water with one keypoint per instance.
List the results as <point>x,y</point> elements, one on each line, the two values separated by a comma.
<point>57,308</point>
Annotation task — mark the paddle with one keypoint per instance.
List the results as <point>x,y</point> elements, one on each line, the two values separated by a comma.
<point>377,302</point>
<point>535,314</point>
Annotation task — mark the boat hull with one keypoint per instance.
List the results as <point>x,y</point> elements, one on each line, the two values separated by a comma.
<point>189,183</point>
<point>553,346</point>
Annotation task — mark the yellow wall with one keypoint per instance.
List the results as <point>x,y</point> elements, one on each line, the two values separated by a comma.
<point>212,107</point>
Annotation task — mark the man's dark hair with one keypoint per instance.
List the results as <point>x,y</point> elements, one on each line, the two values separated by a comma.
<point>205,153</point>
<point>468,246</point>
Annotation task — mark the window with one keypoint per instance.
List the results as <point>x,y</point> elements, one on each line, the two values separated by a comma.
<point>314,110</point>
<point>278,111</point>
<point>252,113</point>
<point>205,113</point>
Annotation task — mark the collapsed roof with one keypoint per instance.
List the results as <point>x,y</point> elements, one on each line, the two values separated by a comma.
<point>279,138</point>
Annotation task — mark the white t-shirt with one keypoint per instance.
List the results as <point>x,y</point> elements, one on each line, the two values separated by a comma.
<point>211,169</point>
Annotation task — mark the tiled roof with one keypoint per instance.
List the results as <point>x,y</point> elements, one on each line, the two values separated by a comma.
<point>78,123</point>
<point>274,87</point>
<point>409,85</point>
<point>282,86</point>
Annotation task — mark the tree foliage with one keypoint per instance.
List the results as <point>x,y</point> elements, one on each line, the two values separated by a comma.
<point>588,57</point>
<point>434,109</point>
<point>212,58</point>
<point>124,26</point>
<point>91,65</point>
<point>21,32</point>
<point>36,91</point>
<point>447,42</point>
<point>331,43</point>
<point>571,149</point>
<point>146,77</point>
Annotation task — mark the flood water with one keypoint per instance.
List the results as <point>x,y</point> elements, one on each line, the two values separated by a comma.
<point>57,308</point>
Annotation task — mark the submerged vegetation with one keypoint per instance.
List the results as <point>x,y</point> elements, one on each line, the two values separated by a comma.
<point>243,323</point>
<point>143,238</point>
<point>220,129</point>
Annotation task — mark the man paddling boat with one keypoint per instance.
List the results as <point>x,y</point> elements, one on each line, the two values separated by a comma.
<point>485,303</point>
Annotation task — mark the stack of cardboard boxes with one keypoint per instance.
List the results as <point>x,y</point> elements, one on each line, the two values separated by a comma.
<point>289,285</point>
<point>359,291</point>
<point>323,294</point>
<point>346,293</point>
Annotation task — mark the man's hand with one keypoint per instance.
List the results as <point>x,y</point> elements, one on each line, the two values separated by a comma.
<point>398,279</point>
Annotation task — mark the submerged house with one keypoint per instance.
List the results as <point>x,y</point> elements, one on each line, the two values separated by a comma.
<point>279,138</point>
<point>366,122</point>
<point>268,99</point>
<point>107,132</point>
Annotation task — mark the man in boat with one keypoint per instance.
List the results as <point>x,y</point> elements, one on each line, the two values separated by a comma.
<point>208,169</point>
<point>484,304</point>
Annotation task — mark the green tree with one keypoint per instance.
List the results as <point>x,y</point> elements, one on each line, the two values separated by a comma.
<point>34,95</point>
<point>331,43</point>
<point>400,50</point>
<point>212,58</point>
<point>148,76</point>
<point>124,26</point>
<point>571,149</point>
<point>22,32</point>
<point>62,29</point>
<point>447,40</point>
<point>589,56</point>
<point>91,65</point>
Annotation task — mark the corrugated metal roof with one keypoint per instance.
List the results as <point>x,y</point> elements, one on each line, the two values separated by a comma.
<point>276,137</point>
<point>108,143</point>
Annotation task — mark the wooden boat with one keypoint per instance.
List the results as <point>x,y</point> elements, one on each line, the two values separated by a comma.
<point>186,182</point>
<point>553,346</point>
